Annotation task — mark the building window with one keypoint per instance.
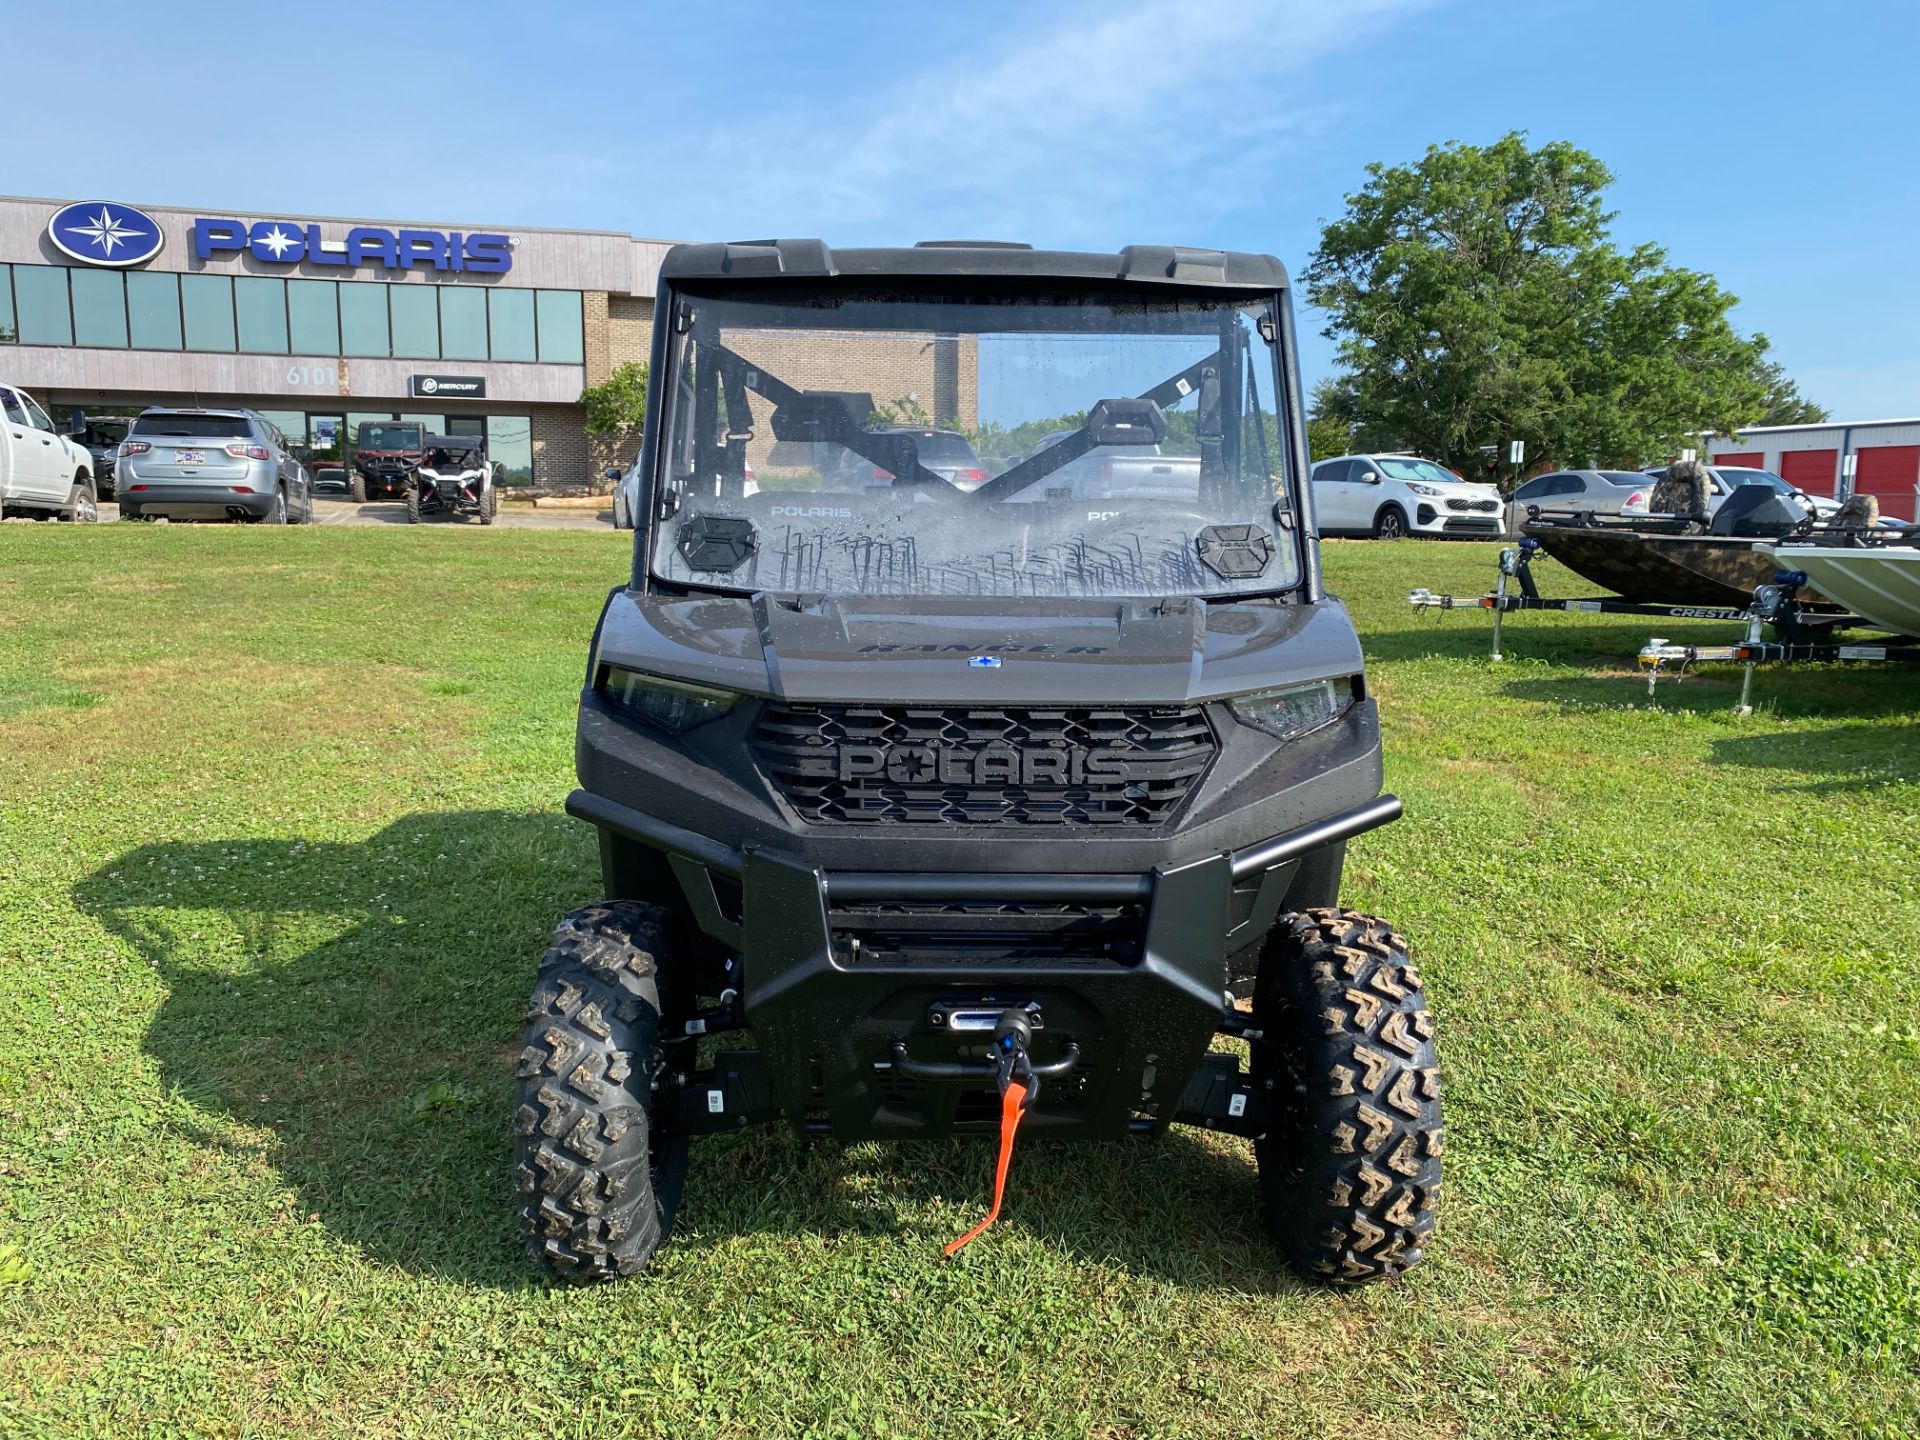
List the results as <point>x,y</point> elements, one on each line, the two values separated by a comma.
<point>100,308</point>
<point>207,301</point>
<point>510,447</point>
<point>463,323</point>
<point>292,423</point>
<point>262,306</point>
<point>561,341</point>
<point>363,320</point>
<point>153,310</point>
<point>510,319</point>
<point>313,317</point>
<point>40,305</point>
<point>416,322</point>
<point>7,334</point>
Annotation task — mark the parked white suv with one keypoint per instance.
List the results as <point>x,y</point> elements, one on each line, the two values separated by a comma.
<point>42,472</point>
<point>1392,496</point>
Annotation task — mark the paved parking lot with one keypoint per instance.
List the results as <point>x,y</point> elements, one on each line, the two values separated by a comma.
<point>328,510</point>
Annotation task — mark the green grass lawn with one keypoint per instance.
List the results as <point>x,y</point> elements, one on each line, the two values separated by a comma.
<point>280,841</point>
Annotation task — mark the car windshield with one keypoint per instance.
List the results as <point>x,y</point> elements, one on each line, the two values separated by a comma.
<point>1734,475</point>
<point>1426,471</point>
<point>390,437</point>
<point>215,427</point>
<point>843,440</point>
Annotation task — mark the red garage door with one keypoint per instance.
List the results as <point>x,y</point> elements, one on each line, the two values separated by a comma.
<point>1756,461</point>
<point>1810,470</point>
<point>1888,472</point>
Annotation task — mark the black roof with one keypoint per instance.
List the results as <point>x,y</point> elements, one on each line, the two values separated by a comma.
<point>1141,264</point>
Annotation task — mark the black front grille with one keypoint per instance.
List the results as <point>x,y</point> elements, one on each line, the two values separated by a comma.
<point>902,764</point>
<point>1003,934</point>
<point>1485,507</point>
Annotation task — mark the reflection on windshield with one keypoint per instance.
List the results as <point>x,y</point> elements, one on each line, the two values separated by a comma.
<point>864,444</point>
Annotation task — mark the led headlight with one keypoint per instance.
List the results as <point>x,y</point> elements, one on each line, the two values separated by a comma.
<point>1419,489</point>
<point>1294,710</point>
<point>671,705</point>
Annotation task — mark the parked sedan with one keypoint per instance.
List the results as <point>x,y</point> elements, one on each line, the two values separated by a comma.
<point>1576,492</point>
<point>211,465</point>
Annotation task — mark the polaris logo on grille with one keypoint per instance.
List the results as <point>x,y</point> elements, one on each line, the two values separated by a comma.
<point>995,765</point>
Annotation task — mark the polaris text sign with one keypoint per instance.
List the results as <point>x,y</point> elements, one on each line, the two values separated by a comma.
<point>101,232</point>
<point>287,242</point>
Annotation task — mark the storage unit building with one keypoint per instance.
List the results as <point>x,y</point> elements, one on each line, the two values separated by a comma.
<point>1886,457</point>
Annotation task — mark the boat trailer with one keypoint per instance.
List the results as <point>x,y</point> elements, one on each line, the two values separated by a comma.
<point>1515,565</point>
<point>1772,605</point>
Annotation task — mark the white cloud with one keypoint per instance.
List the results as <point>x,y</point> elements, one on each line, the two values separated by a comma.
<point>1095,122</point>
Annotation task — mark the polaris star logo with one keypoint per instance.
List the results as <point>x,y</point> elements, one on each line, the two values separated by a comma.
<point>102,232</point>
<point>994,765</point>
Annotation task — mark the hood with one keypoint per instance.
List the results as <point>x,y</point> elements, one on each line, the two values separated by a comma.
<point>910,649</point>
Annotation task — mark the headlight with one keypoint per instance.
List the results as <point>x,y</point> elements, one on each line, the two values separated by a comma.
<point>1289,713</point>
<point>672,705</point>
<point>1417,488</point>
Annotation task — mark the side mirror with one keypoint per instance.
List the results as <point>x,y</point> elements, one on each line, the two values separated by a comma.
<point>1369,477</point>
<point>77,423</point>
<point>612,472</point>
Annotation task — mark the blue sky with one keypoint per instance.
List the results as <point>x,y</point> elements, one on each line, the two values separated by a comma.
<point>1775,145</point>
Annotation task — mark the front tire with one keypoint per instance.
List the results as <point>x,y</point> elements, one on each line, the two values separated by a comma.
<point>413,504</point>
<point>599,1176</point>
<point>1350,1167</point>
<point>489,505</point>
<point>1390,524</point>
<point>81,506</point>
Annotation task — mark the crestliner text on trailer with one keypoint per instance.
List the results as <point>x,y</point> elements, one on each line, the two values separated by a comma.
<point>977,810</point>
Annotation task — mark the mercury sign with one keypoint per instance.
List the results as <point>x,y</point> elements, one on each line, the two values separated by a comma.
<point>284,242</point>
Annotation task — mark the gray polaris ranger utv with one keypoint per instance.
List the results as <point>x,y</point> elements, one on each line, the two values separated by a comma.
<point>969,805</point>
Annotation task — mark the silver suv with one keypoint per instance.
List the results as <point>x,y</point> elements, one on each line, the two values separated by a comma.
<point>211,465</point>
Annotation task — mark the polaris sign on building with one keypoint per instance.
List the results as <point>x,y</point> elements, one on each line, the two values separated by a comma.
<point>326,324</point>
<point>286,242</point>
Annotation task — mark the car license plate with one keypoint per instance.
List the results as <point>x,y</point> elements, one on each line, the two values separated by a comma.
<point>189,457</point>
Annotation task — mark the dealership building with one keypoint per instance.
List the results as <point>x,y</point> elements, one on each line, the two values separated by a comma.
<point>322,323</point>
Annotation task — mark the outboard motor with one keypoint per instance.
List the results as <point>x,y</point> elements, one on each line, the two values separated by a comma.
<point>1759,510</point>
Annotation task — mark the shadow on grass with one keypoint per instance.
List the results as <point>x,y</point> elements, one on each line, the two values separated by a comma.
<point>369,1016</point>
<point>1863,755</point>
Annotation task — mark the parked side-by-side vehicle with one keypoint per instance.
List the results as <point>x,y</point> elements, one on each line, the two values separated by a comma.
<point>973,803</point>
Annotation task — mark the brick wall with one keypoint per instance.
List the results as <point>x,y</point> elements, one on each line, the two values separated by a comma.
<point>891,368</point>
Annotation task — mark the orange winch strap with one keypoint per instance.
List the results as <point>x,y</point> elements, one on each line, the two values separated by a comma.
<point>1011,1108</point>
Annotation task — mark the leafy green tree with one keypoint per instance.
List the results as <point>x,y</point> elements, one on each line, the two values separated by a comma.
<point>1785,404</point>
<point>1477,299</point>
<point>1329,430</point>
<point>619,402</point>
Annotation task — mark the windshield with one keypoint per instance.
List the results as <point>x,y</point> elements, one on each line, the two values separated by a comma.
<point>1424,470</point>
<point>390,437</point>
<point>1734,475</point>
<point>217,427</point>
<point>844,441</point>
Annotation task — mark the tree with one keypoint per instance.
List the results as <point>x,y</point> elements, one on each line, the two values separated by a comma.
<point>1785,404</point>
<point>1329,430</point>
<point>1477,299</point>
<point>619,402</point>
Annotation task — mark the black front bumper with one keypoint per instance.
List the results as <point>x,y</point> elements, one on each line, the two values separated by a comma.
<point>838,968</point>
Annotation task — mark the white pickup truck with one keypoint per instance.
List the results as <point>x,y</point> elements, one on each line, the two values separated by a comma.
<point>42,472</point>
